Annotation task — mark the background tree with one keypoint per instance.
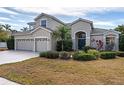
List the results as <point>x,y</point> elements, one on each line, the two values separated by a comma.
<point>62,33</point>
<point>3,34</point>
<point>121,42</point>
<point>1,27</point>
<point>120,28</point>
<point>7,27</point>
<point>24,29</point>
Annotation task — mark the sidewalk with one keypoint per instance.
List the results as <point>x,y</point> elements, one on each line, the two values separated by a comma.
<point>7,82</point>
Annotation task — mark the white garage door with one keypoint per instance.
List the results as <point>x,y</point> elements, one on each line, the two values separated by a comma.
<point>24,44</point>
<point>41,44</point>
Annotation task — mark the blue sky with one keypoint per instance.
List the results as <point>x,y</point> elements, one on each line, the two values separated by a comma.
<point>102,17</point>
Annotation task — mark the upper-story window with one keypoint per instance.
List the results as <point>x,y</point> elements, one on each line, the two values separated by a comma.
<point>43,23</point>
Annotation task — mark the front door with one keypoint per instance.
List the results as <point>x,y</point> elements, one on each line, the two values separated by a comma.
<point>81,43</point>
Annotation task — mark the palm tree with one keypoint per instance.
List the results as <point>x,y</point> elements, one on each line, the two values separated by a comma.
<point>7,27</point>
<point>62,33</point>
<point>1,27</point>
<point>24,29</point>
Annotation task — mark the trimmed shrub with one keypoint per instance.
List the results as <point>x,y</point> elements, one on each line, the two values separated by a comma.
<point>94,52</point>
<point>81,56</point>
<point>108,55</point>
<point>10,43</point>
<point>120,54</point>
<point>64,55</point>
<point>86,48</point>
<point>43,54</point>
<point>52,54</point>
<point>67,45</point>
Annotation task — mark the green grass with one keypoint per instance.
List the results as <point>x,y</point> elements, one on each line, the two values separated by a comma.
<point>56,71</point>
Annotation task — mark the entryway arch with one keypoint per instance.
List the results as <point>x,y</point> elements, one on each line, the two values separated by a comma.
<point>80,40</point>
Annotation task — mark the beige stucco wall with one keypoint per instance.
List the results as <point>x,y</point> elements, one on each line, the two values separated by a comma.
<point>38,21</point>
<point>51,23</point>
<point>81,27</point>
<point>41,33</point>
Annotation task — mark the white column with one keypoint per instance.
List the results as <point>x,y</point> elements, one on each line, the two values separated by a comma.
<point>87,41</point>
<point>34,45</point>
<point>104,42</point>
<point>15,43</point>
<point>74,43</point>
<point>117,43</point>
<point>47,45</point>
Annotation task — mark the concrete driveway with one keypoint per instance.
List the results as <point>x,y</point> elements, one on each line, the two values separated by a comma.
<point>11,57</point>
<point>15,56</point>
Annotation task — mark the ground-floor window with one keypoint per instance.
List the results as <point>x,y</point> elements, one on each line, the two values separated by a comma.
<point>110,43</point>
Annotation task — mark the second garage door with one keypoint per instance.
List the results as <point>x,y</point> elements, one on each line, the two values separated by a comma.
<point>40,44</point>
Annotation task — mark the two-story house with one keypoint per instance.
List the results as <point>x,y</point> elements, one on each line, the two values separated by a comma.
<point>39,37</point>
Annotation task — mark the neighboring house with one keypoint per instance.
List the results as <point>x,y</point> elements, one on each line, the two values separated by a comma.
<point>39,37</point>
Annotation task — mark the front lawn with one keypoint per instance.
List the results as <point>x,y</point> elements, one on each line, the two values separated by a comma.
<point>55,71</point>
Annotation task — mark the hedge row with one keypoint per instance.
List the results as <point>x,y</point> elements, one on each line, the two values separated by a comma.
<point>81,55</point>
<point>108,55</point>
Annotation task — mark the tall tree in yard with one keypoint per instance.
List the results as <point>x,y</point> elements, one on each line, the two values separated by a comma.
<point>62,33</point>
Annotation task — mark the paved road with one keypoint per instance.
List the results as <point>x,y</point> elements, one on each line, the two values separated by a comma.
<point>11,57</point>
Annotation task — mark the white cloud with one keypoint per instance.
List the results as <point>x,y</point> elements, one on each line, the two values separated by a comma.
<point>2,10</point>
<point>4,18</point>
<point>22,21</point>
<point>104,23</point>
<point>70,11</point>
